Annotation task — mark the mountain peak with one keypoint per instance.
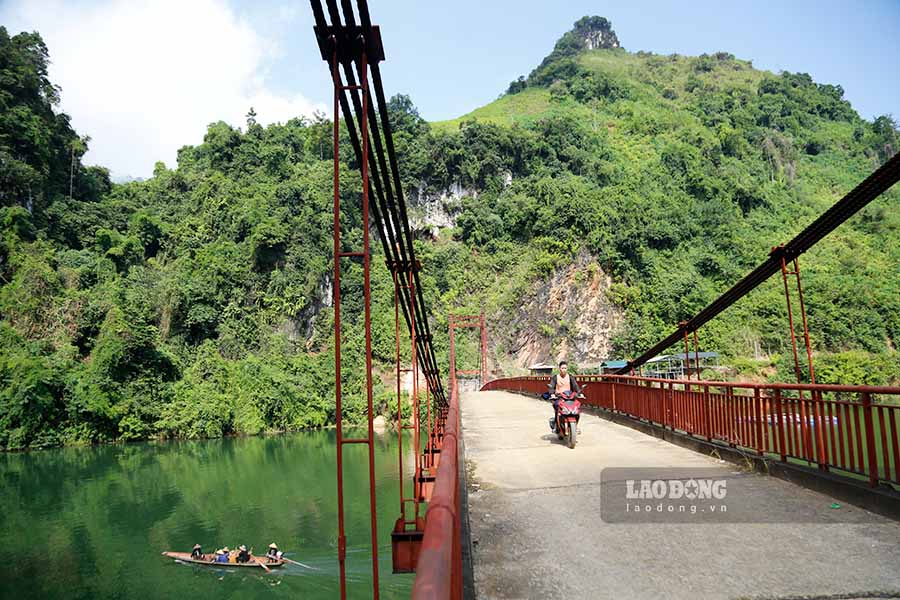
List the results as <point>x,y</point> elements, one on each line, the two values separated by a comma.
<point>594,33</point>
<point>588,33</point>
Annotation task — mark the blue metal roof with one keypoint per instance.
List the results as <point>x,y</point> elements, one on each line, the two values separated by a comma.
<point>614,364</point>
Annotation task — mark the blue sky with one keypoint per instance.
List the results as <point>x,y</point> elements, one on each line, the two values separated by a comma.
<point>452,57</point>
<point>144,78</point>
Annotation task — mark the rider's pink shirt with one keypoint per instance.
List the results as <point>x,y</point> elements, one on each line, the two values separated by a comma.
<point>562,384</point>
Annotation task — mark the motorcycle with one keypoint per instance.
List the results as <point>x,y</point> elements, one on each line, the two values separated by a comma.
<point>567,415</point>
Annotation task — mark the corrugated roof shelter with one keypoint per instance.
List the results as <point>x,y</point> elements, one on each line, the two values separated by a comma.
<point>611,366</point>
<point>672,366</point>
<point>541,369</point>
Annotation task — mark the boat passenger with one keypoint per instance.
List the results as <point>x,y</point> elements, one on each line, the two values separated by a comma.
<point>273,552</point>
<point>243,555</point>
<point>221,556</point>
<point>197,552</point>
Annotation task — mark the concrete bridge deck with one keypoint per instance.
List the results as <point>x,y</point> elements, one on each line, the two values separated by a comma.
<point>536,524</point>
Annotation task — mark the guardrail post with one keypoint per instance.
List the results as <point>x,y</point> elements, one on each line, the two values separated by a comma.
<point>708,417</point>
<point>870,439</point>
<point>761,442</point>
<point>819,408</point>
<point>669,410</point>
<point>780,420</point>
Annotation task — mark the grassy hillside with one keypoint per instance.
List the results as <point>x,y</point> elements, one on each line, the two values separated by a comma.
<point>679,174</point>
<point>520,109</point>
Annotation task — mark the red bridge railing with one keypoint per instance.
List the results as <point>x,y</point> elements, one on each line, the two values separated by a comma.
<point>439,570</point>
<point>850,430</point>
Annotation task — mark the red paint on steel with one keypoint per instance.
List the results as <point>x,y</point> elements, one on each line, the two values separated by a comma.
<point>399,399</point>
<point>367,318</point>
<point>832,445</point>
<point>759,441</point>
<point>860,463</point>
<point>406,537</point>
<point>429,454</point>
<point>439,570</point>
<point>895,441</point>
<point>843,416</point>
<point>790,315</point>
<point>810,413</point>
<point>406,544</point>
<point>791,413</point>
<point>696,355</point>
<point>869,189</point>
<point>779,414</point>
<point>882,425</point>
<point>768,421</point>
<point>871,461</point>
<point>342,540</point>
<point>414,367</point>
<point>812,371</point>
<point>367,309</point>
<point>804,430</point>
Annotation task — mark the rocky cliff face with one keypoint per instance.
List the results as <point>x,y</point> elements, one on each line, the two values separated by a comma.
<point>566,317</point>
<point>432,211</point>
<point>596,33</point>
<point>300,327</point>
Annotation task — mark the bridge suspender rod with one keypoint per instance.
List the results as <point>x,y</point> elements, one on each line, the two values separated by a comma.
<point>352,51</point>
<point>391,154</point>
<point>401,202</point>
<point>406,537</point>
<point>473,321</point>
<point>873,186</point>
<point>392,224</point>
<point>337,46</point>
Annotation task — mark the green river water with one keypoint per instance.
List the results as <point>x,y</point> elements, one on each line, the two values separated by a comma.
<point>91,522</point>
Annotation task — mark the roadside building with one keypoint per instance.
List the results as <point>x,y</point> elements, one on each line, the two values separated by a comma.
<point>675,366</point>
<point>540,369</point>
<point>611,366</point>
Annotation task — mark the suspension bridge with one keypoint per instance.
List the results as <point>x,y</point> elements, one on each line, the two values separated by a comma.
<point>495,507</point>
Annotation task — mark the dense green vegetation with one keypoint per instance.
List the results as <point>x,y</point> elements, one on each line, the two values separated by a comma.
<point>191,304</point>
<point>196,303</point>
<point>679,174</point>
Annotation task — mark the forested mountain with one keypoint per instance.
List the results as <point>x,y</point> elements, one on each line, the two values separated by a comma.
<point>196,303</point>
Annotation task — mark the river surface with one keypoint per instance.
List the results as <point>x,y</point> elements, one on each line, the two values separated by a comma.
<point>92,522</point>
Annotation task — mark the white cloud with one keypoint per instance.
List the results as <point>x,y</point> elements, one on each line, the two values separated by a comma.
<point>145,78</point>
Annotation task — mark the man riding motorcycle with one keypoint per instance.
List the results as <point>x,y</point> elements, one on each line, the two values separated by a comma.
<point>563,382</point>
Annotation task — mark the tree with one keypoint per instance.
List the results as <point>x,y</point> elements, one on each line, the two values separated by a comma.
<point>405,116</point>
<point>78,147</point>
<point>36,144</point>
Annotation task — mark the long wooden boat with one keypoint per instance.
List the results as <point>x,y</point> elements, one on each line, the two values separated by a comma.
<point>209,560</point>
